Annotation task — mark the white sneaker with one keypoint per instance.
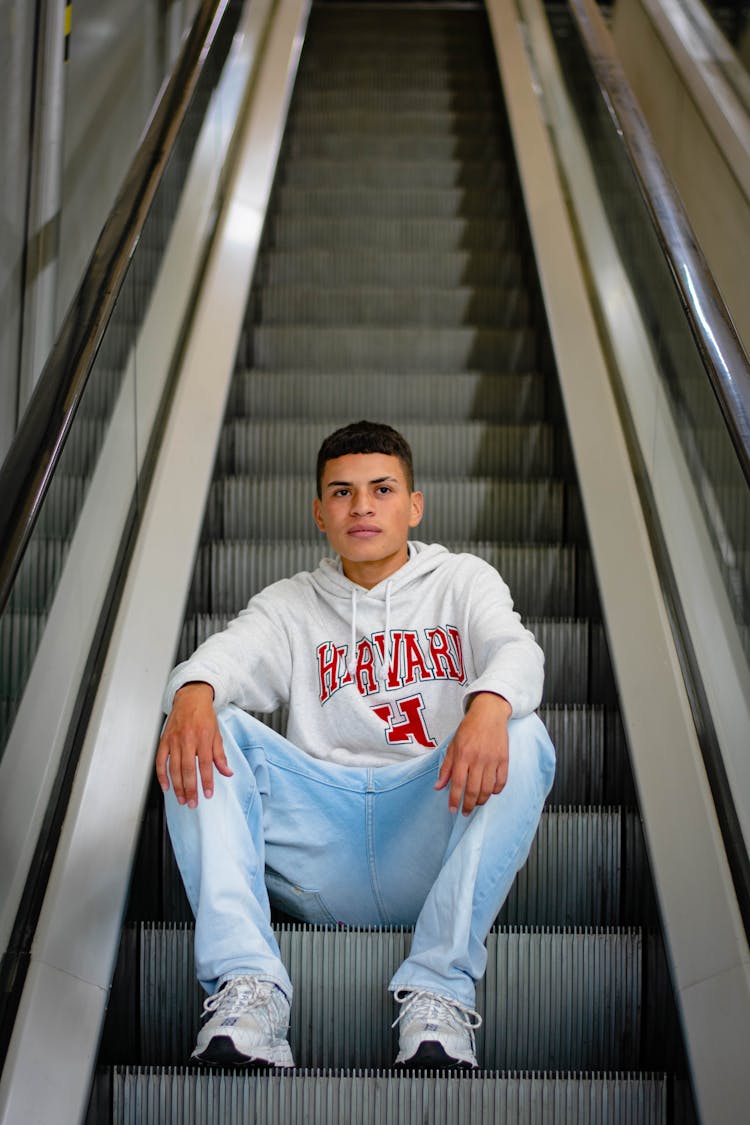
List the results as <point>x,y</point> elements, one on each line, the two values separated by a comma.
<point>249,1020</point>
<point>436,1031</point>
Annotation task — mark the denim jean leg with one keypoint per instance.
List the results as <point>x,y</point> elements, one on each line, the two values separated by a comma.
<point>484,853</point>
<point>219,847</point>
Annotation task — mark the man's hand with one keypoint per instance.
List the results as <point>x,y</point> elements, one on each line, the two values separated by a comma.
<point>476,762</point>
<point>191,732</point>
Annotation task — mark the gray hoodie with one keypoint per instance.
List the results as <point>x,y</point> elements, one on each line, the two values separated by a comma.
<point>373,676</point>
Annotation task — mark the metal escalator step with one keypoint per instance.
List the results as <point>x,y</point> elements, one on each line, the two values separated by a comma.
<point>495,511</point>
<point>465,123</point>
<point>38,574</point>
<point>329,269</point>
<point>82,447</point>
<point>399,101</point>
<point>287,304</point>
<point>541,577</point>
<point>393,147</point>
<point>436,203</point>
<point>395,79</point>
<point>575,874</point>
<point>177,1097</point>
<point>424,235</point>
<point>449,396</point>
<point>20,633</point>
<point>555,999</point>
<point>61,506</point>
<point>459,449</point>
<point>346,349</point>
<point>390,174</point>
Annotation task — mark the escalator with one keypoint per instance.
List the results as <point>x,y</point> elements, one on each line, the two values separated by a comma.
<point>396,282</point>
<point>399,278</point>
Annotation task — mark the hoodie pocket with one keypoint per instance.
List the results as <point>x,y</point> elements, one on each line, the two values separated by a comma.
<point>300,902</point>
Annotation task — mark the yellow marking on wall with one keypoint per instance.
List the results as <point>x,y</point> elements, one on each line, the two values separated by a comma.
<point>68,28</point>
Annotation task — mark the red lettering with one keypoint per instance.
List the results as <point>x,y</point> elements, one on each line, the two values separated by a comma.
<point>415,666</point>
<point>442,657</point>
<point>404,721</point>
<point>366,682</point>
<point>455,636</point>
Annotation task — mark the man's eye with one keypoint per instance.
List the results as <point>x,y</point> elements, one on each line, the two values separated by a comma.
<point>383,488</point>
<point>341,492</point>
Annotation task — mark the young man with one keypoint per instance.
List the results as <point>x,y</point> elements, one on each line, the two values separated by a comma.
<point>407,673</point>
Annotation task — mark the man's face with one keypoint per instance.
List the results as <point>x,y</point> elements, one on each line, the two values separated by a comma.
<point>366,511</point>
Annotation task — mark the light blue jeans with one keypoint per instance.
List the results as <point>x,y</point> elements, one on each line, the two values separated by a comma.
<point>355,846</point>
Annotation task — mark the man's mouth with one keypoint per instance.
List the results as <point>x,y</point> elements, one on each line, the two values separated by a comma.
<point>363,531</point>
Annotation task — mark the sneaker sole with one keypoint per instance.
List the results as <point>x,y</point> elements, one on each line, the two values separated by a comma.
<point>221,1051</point>
<point>431,1055</point>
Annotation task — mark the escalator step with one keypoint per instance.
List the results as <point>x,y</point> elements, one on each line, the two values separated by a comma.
<point>575,874</point>
<point>367,121</point>
<point>345,349</point>
<point>465,449</point>
<point>389,174</point>
<point>509,511</point>
<point>395,147</point>
<point>434,203</point>
<point>542,578</point>
<point>560,999</point>
<point>180,1097</point>
<point>380,269</point>
<point>451,396</point>
<point>501,308</point>
<point>381,235</point>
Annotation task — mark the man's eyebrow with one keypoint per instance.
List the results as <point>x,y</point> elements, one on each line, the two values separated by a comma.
<point>348,483</point>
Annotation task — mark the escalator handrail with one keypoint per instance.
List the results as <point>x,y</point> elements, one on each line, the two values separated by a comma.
<point>29,467</point>
<point>720,348</point>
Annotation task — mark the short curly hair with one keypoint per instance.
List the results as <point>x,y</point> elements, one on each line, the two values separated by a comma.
<point>365,437</point>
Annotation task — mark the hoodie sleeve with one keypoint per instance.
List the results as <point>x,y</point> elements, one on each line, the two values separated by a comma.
<point>248,663</point>
<point>507,659</point>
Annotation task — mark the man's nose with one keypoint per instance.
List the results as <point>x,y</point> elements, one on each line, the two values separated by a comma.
<point>361,503</point>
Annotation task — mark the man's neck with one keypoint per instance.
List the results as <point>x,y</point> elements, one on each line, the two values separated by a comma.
<point>370,574</point>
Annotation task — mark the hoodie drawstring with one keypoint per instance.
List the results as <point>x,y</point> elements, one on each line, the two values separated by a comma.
<point>351,664</point>
<point>384,663</point>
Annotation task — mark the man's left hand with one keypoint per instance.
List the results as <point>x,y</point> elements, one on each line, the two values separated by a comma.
<point>476,762</point>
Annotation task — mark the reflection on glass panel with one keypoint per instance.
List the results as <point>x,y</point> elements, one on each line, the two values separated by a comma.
<point>716,473</point>
<point>16,84</point>
<point>24,617</point>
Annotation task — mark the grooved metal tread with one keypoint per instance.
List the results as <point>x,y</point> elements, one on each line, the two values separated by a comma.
<point>542,577</point>
<point>415,349</point>
<point>243,507</point>
<point>425,235</point>
<point>393,147</point>
<point>428,122</point>
<point>457,306</point>
<point>177,1097</point>
<point>411,174</point>
<point>292,394</point>
<point>445,269</point>
<point>561,999</point>
<point>405,203</point>
<point>461,449</point>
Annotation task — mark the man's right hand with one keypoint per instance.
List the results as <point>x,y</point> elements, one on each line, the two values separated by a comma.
<point>191,733</point>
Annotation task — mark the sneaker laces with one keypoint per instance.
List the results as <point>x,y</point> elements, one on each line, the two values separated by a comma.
<point>429,1007</point>
<point>238,994</point>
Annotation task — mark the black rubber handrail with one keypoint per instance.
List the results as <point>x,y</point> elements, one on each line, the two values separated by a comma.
<point>29,466</point>
<point>720,348</point>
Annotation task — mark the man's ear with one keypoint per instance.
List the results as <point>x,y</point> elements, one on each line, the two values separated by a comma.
<point>417,509</point>
<point>318,515</point>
